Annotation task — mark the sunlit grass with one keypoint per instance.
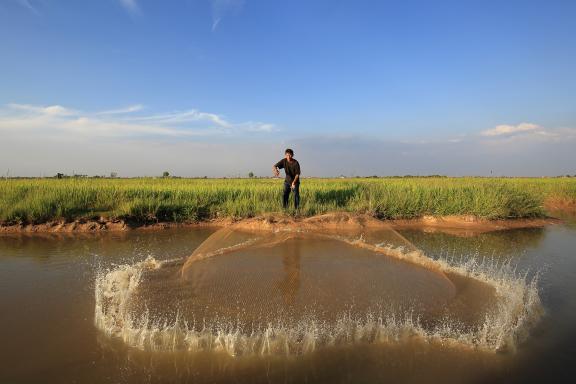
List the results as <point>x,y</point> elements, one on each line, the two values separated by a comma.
<point>166,199</point>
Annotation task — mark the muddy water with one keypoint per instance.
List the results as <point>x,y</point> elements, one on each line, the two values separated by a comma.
<point>300,277</point>
<point>47,301</point>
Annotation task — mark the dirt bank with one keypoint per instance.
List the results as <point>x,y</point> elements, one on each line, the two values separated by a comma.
<point>102,225</point>
<point>457,225</point>
<point>470,225</point>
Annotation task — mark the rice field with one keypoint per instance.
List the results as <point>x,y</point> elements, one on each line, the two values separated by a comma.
<point>187,200</point>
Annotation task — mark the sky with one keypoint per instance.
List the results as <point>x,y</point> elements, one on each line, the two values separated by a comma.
<point>221,87</point>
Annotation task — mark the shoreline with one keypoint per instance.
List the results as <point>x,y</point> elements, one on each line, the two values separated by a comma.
<point>464,225</point>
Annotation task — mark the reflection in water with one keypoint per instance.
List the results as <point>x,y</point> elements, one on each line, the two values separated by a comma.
<point>412,361</point>
<point>120,246</point>
<point>502,245</point>
<point>291,282</point>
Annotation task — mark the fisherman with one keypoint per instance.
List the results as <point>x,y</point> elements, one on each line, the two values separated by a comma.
<point>292,180</point>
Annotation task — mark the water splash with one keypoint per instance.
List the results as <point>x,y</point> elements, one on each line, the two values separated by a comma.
<point>515,310</point>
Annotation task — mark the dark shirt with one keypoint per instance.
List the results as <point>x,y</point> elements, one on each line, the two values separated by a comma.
<point>292,168</point>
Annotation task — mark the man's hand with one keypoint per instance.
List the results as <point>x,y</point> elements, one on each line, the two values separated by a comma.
<point>293,186</point>
<point>275,171</point>
<point>295,180</point>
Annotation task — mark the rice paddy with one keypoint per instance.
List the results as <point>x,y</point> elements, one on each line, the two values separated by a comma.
<point>40,200</point>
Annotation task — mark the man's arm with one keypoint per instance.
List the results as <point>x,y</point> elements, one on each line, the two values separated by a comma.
<point>276,167</point>
<point>297,176</point>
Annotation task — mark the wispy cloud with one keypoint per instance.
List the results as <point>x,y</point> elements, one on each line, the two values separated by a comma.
<point>121,111</point>
<point>131,6</point>
<point>221,8</point>
<point>191,115</point>
<point>56,121</point>
<point>28,5</point>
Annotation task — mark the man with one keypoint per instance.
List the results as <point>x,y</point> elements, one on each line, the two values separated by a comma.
<point>292,180</point>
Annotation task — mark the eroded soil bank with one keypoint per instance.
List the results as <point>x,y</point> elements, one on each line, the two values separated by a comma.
<point>456,225</point>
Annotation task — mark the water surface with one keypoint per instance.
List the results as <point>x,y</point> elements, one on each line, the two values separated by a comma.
<point>49,334</point>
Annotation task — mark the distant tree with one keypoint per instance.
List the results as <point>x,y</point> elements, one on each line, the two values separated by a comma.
<point>113,175</point>
<point>59,175</point>
<point>251,174</point>
<point>165,174</point>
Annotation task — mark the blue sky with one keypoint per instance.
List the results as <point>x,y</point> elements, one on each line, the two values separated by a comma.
<point>220,87</point>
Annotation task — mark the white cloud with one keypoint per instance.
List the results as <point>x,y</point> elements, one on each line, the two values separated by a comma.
<point>51,110</point>
<point>508,130</point>
<point>505,135</point>
<point>61,123</point>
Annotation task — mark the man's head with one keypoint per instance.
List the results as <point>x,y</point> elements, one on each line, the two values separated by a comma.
<point>288,154</point>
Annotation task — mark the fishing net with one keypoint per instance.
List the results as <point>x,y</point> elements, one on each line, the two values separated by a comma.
<point>288,286</point>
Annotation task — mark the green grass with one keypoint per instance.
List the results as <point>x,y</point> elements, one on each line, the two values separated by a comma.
<point>150,200</point>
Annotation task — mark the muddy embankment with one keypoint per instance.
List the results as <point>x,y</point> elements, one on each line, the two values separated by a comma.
<point>456,225</point>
